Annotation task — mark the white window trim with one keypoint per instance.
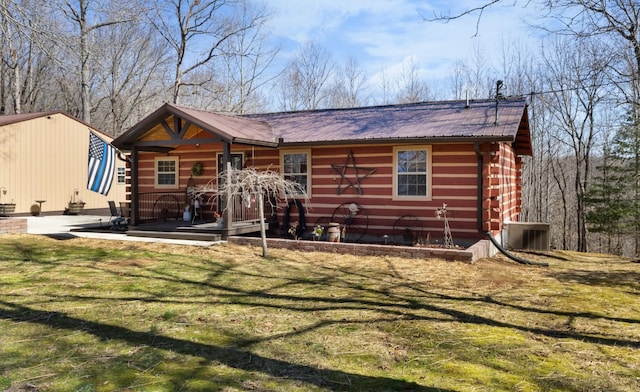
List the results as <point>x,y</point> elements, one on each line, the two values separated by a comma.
<point>429,173</point>
<point>155,173</point>
<point>124,175</point>
<point>298,151</point>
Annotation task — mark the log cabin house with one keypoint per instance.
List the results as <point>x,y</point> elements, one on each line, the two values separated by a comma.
<point>385,173</point>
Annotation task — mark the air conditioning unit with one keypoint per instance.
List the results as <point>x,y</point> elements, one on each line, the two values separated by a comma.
<point>528,235</point>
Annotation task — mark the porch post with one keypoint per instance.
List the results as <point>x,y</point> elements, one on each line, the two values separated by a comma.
<point>228,211</point>
<point>134,215</point>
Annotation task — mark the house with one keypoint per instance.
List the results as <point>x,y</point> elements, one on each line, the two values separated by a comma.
<point>384,173</point>
<point>44,165</point>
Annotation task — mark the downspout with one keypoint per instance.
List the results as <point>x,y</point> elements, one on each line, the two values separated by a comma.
<point>480,155</point>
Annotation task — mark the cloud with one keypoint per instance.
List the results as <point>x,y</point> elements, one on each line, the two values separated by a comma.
<point>382,34</point>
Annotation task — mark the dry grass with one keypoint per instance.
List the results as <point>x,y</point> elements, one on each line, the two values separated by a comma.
<point>90,315</point>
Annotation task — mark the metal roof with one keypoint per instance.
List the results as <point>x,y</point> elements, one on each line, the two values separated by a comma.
<point>229,128</point>
<point>428,122</point>
<point>8,119</point>
<point>445,119</point>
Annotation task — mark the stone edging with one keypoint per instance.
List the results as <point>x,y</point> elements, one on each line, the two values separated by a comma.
<point>13,226</point>
<point>477,251</point>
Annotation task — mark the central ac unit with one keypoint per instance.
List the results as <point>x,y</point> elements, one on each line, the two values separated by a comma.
<point>528,235</point>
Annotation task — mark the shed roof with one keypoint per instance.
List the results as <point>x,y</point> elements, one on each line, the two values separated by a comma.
<point>9,119</point>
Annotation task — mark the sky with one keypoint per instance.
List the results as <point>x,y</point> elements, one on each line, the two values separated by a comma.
<point>385,34</point>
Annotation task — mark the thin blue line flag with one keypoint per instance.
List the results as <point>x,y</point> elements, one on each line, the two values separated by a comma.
<point>101,165</point>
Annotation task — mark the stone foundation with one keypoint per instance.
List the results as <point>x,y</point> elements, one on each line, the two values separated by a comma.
<point>477,251</point>
<point>13,225</point>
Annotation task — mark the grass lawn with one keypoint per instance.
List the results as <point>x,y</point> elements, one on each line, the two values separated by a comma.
<point>92,315</point>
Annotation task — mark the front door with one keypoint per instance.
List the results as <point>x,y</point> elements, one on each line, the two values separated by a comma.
<point>236,163</point>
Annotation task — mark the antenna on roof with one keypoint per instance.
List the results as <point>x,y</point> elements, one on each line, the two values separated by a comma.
<point>499,97</point>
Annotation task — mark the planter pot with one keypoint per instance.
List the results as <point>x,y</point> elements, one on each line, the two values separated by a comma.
<point>76,208</point>
<point>7,208</point>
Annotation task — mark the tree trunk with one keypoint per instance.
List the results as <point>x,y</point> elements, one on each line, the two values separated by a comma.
<point>84,63</point>
<point>263,225</point>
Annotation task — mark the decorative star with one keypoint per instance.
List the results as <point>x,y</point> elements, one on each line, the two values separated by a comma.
<point>354,183</point>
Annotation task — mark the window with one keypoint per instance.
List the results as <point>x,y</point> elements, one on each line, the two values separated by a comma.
<point>411,169</point>
<point>122,175</point>
<point>167,172</point>
<point>296,167</point>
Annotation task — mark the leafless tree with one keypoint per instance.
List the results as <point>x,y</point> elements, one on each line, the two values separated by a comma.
<point>130,75</point>
<point>575,82</point>
<point>25,55</point>
<point>268,186</point>
<point>85,17</point>
<point>385,88</point>
<point>195,31</point>
<point>348,86</point>
<point>245,68</point>
<point>411,86</point>
<point>303,83</point>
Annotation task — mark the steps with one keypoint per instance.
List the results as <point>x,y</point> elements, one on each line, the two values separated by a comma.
<point>176,235</point>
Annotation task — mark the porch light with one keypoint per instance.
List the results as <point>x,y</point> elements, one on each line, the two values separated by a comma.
<point>353,209</point>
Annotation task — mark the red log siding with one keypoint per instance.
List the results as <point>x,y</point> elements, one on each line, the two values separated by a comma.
<point>453,181</point>
<point>502,193</point>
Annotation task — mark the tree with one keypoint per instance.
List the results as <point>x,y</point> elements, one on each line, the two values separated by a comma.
<point>411,87</point>
<point>26,56</point>
<point>575,91</point>
<point>130,75</point>
<point>622,183</point>
<point>267,186</point>
<point>606,207</point>
<point>79,13</point>
<point>195,31</point>
<point>302,85</point>
<point>348,86</point>
<point>246,63</point>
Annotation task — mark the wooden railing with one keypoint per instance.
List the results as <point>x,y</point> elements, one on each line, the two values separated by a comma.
<point>155,206</point>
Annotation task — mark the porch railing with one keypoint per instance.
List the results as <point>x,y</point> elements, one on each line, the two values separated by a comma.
<point>154,206</point>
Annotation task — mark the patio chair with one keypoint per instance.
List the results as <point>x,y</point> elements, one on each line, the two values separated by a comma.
<point>117,221</point>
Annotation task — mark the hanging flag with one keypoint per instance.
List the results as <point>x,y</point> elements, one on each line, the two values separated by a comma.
<point>101,165</point>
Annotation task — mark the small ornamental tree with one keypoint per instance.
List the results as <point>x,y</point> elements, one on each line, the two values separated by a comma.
<point>268,186</point>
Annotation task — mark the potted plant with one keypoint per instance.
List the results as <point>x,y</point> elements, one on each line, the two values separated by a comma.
<point>6,208</point>
<point>75,206</point>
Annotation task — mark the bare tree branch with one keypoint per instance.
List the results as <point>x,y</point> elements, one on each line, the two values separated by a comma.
<point>446,18</point>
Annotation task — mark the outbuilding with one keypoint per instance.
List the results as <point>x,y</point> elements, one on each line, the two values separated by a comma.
<point>45,161</point>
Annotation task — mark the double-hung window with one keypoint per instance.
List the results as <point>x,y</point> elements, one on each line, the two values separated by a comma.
<point>296,166</point>
<point>167,172</point>
<point>412,172</point>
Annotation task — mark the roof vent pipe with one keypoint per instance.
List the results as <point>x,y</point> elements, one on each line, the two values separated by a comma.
<point>467,104</point>
<point>499,97</point>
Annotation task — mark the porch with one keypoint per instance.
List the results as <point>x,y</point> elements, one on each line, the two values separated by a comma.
<point>174,215</point>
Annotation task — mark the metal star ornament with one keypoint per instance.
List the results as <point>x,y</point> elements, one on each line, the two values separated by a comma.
<point>344,171</point>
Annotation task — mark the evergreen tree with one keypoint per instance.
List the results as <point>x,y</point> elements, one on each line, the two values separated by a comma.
<point>627,144</point>
<point>613,200</point>
<point>605,201</point>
